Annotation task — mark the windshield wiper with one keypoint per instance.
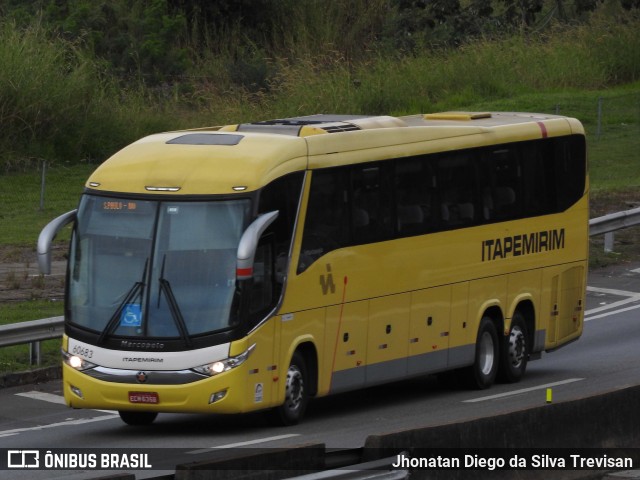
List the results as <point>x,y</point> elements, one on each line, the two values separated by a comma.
<point>133,293</point>
<point>176,314</point>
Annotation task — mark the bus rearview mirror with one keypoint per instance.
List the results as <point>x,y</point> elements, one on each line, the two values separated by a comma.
<point>46,237</point>
<point>249,243</point>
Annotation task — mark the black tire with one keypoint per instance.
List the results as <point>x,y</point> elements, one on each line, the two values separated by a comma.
<point>138,418</point>
<point>514,353</point>
<point>296,395</point>
<point>482,373</point>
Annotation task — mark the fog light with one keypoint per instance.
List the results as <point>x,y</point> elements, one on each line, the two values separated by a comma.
<point>76,391</point>
<point>216,397</point>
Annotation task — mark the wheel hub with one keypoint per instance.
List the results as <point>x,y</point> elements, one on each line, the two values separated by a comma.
<point>517,344</point>
<point>294,388</point>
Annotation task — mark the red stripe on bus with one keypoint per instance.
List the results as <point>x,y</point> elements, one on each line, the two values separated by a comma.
<point>543,129</point>
<point>244,272</point>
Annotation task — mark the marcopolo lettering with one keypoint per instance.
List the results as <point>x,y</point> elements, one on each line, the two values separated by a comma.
<point>525,244</point>
<point>142,345</point>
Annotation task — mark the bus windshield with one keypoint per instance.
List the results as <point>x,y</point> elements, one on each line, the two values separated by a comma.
<point>158,269</point>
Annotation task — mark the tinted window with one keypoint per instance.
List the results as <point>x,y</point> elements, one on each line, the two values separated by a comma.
<point>378,201</point>
<point>415,187</point>
<point>371,203</point>
<point>327,224</point>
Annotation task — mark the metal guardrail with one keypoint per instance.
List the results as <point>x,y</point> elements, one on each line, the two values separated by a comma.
<point>33,332</point>
<point>612,222</point>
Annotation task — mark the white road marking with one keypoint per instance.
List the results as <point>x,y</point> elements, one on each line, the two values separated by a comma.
<point>613,291</point>
<point>632,297</point>
<point>636,270</point>
<point>523,390</point>
<point>44,396</point>
<point>51,398</point>
<point>16,431</point>
<point>608,314</point>
<point>246,443</point>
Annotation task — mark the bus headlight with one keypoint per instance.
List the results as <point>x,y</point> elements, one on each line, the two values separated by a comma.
<point>76,362</point>
<point>211,369</point>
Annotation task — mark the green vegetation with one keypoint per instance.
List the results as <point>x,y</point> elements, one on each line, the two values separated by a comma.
<point>21,217</point>
<point>83,79</point>
<point>33,309</point>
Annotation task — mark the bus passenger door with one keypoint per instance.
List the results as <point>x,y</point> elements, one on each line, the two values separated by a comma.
<point>262,295</point>
<point>429,330</point>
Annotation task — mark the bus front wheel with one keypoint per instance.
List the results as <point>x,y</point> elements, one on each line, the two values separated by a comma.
<point>138,418</point>
<point>515,351</point>
<point>296,394</point>
<point>483,372</point>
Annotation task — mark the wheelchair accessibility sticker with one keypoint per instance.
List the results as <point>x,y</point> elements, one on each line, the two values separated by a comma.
<point>131,315</point>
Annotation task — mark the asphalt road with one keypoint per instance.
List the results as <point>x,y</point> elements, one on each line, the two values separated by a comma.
<point>604,359</point>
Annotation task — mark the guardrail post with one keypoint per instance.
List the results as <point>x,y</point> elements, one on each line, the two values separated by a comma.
<point>608,242</point>
<point>34,353</point>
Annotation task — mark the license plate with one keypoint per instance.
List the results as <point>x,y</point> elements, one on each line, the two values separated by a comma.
<point>144,397</point>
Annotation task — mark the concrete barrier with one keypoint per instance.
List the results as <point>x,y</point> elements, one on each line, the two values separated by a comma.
<point>39,375</point>
<point>606,421</point>
<point>271,464</point>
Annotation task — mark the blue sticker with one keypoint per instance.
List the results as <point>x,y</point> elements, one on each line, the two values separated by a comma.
<point>131,315</point>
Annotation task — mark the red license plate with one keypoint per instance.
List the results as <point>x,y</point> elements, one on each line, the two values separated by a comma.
<point>144,397</point>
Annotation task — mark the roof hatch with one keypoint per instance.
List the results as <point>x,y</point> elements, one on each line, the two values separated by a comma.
<point>318,124</point>
<point>460,116</point>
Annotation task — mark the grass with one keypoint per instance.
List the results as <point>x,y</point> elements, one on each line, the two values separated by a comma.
<point>21,216</point>
<point>17,357</point>
<point>31,310</point>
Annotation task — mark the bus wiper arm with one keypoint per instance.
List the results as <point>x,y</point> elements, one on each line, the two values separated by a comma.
<point>133,292</point>
<point>176,314</point>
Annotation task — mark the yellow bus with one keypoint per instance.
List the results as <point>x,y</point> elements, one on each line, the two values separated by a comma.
<point>255,266</point>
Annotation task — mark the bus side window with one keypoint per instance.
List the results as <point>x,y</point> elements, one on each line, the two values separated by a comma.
<point>570,169</point>
<point>326,226</point>
<point>415,192</point>
<point>501,188</point>
<point>538,189</point>
<point>262,290</point>
<point>456,174</point>
<point>282,195</point>
<point>371,211</point>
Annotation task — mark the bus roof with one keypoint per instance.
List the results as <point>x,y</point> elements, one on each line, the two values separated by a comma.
<point>245,157</point>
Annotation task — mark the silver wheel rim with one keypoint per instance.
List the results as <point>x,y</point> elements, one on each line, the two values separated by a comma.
<point>517,346</point>
<point>294,389</point>
<point>487,353</point>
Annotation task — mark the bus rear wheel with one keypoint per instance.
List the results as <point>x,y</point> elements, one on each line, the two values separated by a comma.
<point>296,395</point>
<point>138,418</point>
<point>515,351</point>
<point>483,372</point>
